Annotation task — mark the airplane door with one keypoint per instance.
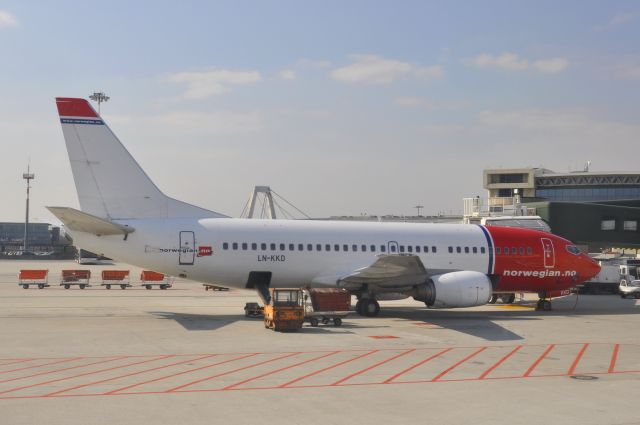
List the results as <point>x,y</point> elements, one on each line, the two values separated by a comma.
<point>548,252</point>
<point>187,248</point>
<point>392,247</point>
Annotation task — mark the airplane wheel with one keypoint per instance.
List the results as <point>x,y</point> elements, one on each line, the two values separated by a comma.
<point>508,299</point>
<point>359,307</point>
<point>370,307</point>
<point>493,299</point>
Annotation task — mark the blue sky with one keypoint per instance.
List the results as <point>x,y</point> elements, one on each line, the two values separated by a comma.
<point>344,107</point>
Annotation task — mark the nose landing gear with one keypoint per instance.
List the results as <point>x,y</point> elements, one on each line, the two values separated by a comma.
<point>543,303</point>
<point>368,307</point>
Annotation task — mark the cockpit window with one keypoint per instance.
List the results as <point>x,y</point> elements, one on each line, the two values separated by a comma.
<point>573,249</point>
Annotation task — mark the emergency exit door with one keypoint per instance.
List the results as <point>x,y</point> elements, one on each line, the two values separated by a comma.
<point>187,248</point>
<point>548,252</point>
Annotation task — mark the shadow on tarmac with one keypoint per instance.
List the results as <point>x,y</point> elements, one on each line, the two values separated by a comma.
<point>477,323</point>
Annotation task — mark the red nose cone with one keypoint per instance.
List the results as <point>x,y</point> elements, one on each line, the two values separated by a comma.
<point>590,268</point>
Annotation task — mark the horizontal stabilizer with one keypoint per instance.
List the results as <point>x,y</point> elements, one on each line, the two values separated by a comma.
<point>79,221</point>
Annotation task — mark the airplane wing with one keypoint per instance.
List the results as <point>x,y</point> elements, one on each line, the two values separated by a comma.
<point>387,271</point>
<point>82,222</point>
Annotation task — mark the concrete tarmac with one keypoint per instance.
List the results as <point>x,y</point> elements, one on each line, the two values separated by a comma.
<point>189,356</point>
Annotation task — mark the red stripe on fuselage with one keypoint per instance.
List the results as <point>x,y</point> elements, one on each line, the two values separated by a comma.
<point>73,107</point>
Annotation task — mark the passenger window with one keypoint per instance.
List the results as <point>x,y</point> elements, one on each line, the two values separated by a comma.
<point>521,251</point>
<point>373,248</point>
<point>466,249</point>
<point>300,247</point>
<point>482,250</point>
<point>451,250</point>
<point>409,248</point>
<point>273,247</point>
<point>434,249</point>
<point>318,247</point>
<point>401,248</point>
<point>292,247</point>
<point>244,246</point>
<point>514,251</point>
<point>263,246</point>
<point>425,249</point>
<point>345,248</point>
<point>498,250</point>
<point>336,247</point>
<point>418,249</point>
<point>235,246</point>
<point>475,250</point>
<point>383,248</point>
<point>363,248</point>
<point>529,250</point>
<point>309,247</point>
<point>393,248</point>
<point>458,250</point>
<point>354,248</point>
<point>327,247</point>
<point>254,246</point>
<point>225,245</point>
<point>506,251</point>
<point>282,247</point>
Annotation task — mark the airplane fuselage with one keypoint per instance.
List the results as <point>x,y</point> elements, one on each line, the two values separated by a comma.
<point>225,251</point>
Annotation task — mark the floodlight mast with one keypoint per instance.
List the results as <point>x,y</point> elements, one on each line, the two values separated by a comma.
<point>28,176</point>
<point>418,207</point>
<point>99,97</point>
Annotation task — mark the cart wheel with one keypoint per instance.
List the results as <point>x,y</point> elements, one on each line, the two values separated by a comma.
<point>107,286</point>
<point>337,321</point>
<point>82,286</point>
<point>148,286</point>
<point>25,286</point>
<point>163,286</point>
<point>67,286</point>
<point>40,286</point>
<point>123,286</point>
<point>325,320</point>
<point>314,322</point>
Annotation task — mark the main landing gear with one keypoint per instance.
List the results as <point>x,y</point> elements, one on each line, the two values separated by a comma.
<point>368,307</point>
<point>543,303</point>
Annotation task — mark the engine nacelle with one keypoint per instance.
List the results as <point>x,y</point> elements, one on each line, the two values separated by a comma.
<point>455,289</point>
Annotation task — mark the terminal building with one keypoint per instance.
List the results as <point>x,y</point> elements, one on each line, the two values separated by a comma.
<point>43,238</point>
<point>598,210</point>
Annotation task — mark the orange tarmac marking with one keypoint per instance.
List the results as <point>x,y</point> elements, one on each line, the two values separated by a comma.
<point>328,368</point>
<point>574,365</point>
<point>470,356</point>
<point>537,362</point>
<point>404,353</point>
<point>280,370</point>
<point>420,363</point>
<point>499,362</point>
<point>229,372</point>
<point>614,358</point>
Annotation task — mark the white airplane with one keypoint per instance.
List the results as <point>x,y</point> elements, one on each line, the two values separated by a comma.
<point>124,216</point>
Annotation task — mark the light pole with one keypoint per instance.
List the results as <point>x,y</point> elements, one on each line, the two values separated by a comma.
<point>99,97</point>
<point>417,207</point>
<point>28,176</point>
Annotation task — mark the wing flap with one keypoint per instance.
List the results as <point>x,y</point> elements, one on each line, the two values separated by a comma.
<point>79,221</point>
<point>387,271</point>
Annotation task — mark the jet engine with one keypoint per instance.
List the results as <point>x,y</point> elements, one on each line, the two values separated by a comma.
<point>454,289</point>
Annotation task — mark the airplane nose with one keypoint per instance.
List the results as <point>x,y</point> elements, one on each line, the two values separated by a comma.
<point>591,268</point>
